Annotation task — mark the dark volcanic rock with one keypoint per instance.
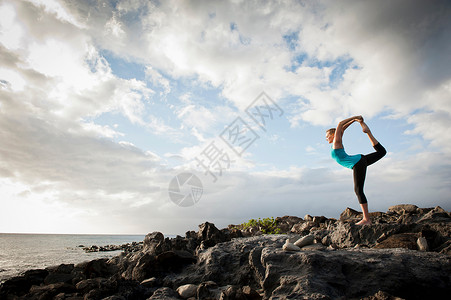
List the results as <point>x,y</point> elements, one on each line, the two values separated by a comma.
<point>164,293</point>
<point>210,235</point>
<point>345,261</point>
<point>402,240</point>
<point>259,262</point>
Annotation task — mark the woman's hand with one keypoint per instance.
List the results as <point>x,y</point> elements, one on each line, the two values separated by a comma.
<point>359,119</point>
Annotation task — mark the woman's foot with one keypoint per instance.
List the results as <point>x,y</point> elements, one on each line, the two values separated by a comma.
<point>365,127</point>
<point>363,222</point>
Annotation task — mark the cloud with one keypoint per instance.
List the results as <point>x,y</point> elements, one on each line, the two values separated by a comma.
<point>325,59</point>
<point>390,60</point>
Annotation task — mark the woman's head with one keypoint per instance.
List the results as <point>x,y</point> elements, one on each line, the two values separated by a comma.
<point>330,134</point>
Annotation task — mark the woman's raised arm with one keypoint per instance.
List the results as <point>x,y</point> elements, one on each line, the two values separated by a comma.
<point>341,127</point>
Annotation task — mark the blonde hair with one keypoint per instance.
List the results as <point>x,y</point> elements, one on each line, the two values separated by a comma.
<point>331,131</point>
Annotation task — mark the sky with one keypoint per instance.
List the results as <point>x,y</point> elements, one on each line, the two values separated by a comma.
<point>108,107</point>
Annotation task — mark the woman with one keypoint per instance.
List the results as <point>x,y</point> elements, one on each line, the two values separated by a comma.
<point>358,163</point>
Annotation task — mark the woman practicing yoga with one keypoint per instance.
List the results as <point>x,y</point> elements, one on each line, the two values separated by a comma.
<point>358,163</point>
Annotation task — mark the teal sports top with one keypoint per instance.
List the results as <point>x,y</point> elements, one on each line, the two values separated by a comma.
<point>344,159</point>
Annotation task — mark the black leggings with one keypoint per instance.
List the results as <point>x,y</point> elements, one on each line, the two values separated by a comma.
<point>360,170</point>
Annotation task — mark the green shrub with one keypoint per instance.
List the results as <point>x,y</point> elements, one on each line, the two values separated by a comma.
<point>266,225</point>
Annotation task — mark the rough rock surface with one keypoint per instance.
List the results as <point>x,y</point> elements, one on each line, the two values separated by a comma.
<point>405,254</point>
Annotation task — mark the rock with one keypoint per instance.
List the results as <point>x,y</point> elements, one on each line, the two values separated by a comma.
<point>361,262</point>
<point>187,290</point>
<point>58,277</point>
<point>303,228</point>
<point>210,235</point>
<point>318,220</point>
<point>350,214</point>
<point>437,214</point>
<point>85,286</point>
<point>381,295</point>
<point>402,240</point>
<point>290,247</point>
<point>153,243</point>
<point>422,244</point>
<point>403,208</point>
<point>231,293</point>
<point>354,274</point>
<point>114,297</point>
<point>304,241</point>
<point>313,247</point>
<point>149,283</point>
<point>17,286</point>
<point>250,293</point>
<point>51,290</point>
<point>36,277</point>
<point>285,223</point>
<point>98,268</point>
<point>348,235</point>
<point>208,290</point>
<point>169,261</point>
<point>164,293</point>
<point>446,249</point>
<point>308,218</point>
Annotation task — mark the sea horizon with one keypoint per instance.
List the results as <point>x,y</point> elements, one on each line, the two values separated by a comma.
<point>25,251</point>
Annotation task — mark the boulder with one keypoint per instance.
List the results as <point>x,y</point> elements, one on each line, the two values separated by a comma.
<point>36,277</point>
<point>87,285</point>
<point>153,243</point>
<point>437,214</point>
<point>58,277</point>
<point>308,218</point>
<point>304,241</point>
<point>98,268</point>
<point>16,286</point>
<point>348,235</point>
<point>381,295</point>
<point>422,244</point>
<point>402,240</point>
<point>289,246</point>
<point>210,235</point>
<point>403,208</point>
<point>49,291</point>
<point>350,214</point>
<point>355,274</point>
<point>186,291</point>
<point>302,228</point>
<point>150,282</point>
<point>166,262</point>
<point>164,293</point>
<point>285,223</point>
<point>250,293</point>
<point>208,290</point>
<point>317,246</point>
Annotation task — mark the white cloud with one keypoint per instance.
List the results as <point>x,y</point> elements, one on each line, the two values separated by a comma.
<point>54,82</point>
<point>12,32</point>
<point>55,7</point>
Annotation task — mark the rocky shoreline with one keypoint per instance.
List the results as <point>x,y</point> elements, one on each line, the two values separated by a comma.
<point>404,254</point>
<point>128,247</point>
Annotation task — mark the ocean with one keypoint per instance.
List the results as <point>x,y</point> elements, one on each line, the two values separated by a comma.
<point>21,252</point>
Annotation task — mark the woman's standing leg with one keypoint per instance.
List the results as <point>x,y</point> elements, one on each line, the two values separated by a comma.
<point>359,172</point>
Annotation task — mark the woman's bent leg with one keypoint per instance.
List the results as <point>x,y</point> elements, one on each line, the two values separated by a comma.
<point>375,156</point>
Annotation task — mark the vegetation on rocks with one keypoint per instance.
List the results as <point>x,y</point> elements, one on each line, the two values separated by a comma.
<point>265,226</point>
